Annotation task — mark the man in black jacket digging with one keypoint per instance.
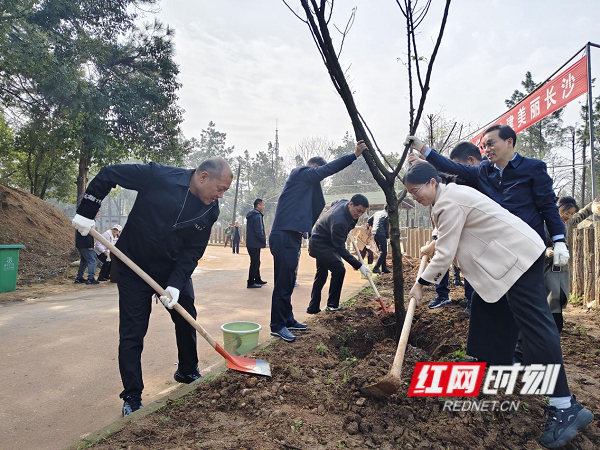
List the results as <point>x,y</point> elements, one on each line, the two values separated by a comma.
<point>166,234</point>
<point>255,240</point>
<point>328,246</point>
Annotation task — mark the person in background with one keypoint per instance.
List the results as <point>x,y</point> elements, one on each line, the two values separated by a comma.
<point>558,279</point>
<point>380,228</point>
<point>235,244</point>
<point>362,236</point>
<point>255,240</point>
<point>228,234</point>
<point>88,259</point>
<point>104,254</point>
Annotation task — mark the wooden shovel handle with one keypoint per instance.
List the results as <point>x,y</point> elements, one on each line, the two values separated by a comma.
<point>396,369</point>
<point>154,285</point>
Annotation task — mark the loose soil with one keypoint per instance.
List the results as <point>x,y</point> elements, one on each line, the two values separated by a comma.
<point>46,233</point>
<point>313,399</point>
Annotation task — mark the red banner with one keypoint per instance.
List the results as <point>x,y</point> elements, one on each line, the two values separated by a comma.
<point>556,93</point>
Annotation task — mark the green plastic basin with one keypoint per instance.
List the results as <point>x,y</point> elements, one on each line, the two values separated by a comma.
<point>240,337</point>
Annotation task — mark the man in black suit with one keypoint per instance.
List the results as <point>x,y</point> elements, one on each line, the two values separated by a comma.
<point>235,232</point>
<point>299,206</point>
<point>255,240</point>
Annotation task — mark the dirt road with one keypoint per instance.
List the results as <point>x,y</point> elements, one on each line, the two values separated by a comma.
<point>58,363</point>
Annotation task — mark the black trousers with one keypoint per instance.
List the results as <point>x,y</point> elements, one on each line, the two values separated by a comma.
<point>254,272</point>
<point>236,246</point>
<point>494,327</point>
<point>338,272</point>
<point>285,248</point>
<point>135,304</point>
<point>381,242</point>
<point>364,252</point>
<point>105,269</point>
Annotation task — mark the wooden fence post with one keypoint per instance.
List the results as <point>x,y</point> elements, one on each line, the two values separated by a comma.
<point>589,267</point>
<point>597,262</point>
<point>577,272</point>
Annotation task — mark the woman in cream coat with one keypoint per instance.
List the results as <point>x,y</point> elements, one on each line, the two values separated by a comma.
<point>503,258</point>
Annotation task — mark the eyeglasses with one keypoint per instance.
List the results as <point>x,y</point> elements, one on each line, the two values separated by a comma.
<point>488,144</point>
<point>415,193</point>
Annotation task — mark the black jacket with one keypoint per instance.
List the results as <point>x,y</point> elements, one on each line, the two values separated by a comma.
<point>525,189</point>
<point>301,201</point>
<point>382,228</point>
<point>330,233</point>
<point>255,230</point>
<point>83,241</point>
<point>161,236</point>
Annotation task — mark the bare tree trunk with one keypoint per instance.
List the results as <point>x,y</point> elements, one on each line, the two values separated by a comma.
<point>583,172</point>
<point>573,174</point>
<point>589,269</point>
<point>237,188</point>
<point>577,275</point>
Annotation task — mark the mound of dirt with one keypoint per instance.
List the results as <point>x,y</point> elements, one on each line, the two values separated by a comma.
<point>46,233</point>
<point>314,400</point>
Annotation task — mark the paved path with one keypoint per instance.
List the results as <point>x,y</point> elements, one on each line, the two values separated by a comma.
<point>58,354</point>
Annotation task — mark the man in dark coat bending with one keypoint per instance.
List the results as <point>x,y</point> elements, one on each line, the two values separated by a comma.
<point>328,246</point>
<point>298,208</point>
<point>166,234</point>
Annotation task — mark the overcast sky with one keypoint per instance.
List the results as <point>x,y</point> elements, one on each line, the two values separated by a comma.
<point>247,63</point>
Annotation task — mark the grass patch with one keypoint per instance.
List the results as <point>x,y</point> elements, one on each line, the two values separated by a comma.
<point>321,349</point>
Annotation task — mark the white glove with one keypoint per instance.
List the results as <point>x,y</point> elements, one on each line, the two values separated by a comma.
<point>364,270</point>
<point>107,256</point>
<point>414,142</point>
<point>172,301</point>
<point>561,254</point>
<point>82,224</point>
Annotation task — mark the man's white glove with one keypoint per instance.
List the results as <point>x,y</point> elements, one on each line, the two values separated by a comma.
<point>561,254</point>
<point>364,270</point>
<point>170,302</point>
<point>82,224</point>
<point>107,252</point>
<point>415,143</point>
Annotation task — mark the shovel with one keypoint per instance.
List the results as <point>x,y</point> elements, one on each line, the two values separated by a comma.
<point>390,384</point>
<point>383,307</point>
<point>239,363</point>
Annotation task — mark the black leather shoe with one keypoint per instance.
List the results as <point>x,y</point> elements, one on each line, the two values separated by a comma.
<point>92,281</point>
<point>261,282</point>
<point>386,270</point>
<point>310,311</point>
<point>186,379</point>
<point>130,405</point>
<point>254,286</point>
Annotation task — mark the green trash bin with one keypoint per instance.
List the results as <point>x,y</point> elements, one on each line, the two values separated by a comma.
<point>9,265</point>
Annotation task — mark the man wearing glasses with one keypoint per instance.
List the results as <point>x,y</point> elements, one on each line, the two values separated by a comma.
<point>523,187</point>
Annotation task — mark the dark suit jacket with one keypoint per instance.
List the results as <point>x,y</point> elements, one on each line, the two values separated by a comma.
<point>161,237</point>
<point>525,189</point>
<point>331,231</point>
<point>301,201</point>
<point>255,230</point>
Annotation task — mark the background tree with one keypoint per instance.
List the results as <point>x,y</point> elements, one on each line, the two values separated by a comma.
<point>212,144</point>
<point>541,137</point>
<point>317,17</point>
<point>86,64</point>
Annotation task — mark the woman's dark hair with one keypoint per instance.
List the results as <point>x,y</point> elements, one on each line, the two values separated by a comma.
<point>567,203</point>
<point>422,172</point>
